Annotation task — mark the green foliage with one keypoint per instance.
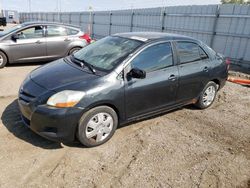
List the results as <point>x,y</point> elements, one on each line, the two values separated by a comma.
<point>235,1</point>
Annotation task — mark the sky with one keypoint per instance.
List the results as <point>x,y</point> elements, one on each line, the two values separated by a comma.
<point>83,5</point>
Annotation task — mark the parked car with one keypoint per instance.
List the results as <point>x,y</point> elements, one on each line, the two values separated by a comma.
<point>116,80</point>
<point>40,41</point>
<point>3,21</point>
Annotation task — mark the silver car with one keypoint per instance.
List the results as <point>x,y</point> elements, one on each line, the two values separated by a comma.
<point>40,41</point>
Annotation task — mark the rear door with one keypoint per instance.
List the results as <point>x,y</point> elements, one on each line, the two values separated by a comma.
<point>193,65</point>
<point>58,41</point>
<point>158,89</point>
<point>30,46</point>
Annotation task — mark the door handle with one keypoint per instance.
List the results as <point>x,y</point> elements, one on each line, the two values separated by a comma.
<point>205,69</point>
<point>66,39</point>
<point>172,77</point>
<point>38,42</point>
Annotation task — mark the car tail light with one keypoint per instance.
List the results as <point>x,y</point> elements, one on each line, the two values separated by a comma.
<point>228,62</point>
<point>86,37</point>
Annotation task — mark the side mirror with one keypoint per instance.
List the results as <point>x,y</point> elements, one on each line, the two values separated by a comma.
<point>137,73</point>
<point>15,37</point>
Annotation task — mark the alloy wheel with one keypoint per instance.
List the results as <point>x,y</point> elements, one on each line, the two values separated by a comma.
<point>209,95</point>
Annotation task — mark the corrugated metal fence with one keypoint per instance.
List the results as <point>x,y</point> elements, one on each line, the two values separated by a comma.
<point>226,28</point>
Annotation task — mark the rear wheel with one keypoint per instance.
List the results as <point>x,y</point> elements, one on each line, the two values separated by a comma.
<point>74,50</point>
<point>97,126</point>
<point>207,96</point>
<point>3,60</point>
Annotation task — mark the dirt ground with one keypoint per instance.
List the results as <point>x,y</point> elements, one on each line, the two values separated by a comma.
<point>182,148</point>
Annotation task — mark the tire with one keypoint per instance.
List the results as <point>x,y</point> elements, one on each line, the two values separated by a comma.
<point>97,126</point>
<point>3,60</point>
<point>74,50</point>
<point>207,96</point>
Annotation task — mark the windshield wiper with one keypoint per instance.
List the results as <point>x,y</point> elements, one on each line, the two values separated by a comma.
<point>83,63</point>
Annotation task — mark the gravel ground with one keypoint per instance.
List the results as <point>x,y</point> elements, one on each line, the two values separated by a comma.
<point>182,148</point>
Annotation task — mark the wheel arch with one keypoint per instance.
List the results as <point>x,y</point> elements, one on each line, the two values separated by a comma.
<point>1,50</point>
<point>108,104</point>
<point>217,81</point>
<point>71,48</point>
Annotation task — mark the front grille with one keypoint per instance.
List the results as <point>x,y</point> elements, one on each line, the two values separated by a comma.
<point>26,97</point>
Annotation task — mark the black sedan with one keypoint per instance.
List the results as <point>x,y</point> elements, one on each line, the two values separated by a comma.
<point>119,79</point>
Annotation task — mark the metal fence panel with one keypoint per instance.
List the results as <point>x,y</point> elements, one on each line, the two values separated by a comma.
<point>233,31</point>
<point>84,20</point>
<point>50,17</point>
<point>121,18</point>
<point>101,24</point>
<point>44,17</point>
<point>147,19</point>
<point>120,21</point>
<point>65,18</point>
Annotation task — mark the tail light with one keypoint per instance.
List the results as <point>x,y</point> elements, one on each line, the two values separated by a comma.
<point>86,37</point>
<point>228,62</point>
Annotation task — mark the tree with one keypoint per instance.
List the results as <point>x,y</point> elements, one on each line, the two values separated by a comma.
<point>235,1</point>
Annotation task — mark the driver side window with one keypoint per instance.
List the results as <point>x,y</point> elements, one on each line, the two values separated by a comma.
<point>154,58</point>
<point>31,33</point>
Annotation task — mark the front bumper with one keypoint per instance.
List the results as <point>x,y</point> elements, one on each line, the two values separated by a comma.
<point>56,124</point>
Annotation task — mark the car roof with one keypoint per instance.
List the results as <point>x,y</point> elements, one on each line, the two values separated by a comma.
<point>149,36</point>
<point>48,23</point>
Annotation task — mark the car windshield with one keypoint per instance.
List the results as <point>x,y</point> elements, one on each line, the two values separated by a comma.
<point>106,53</point>
<point>12,29</point>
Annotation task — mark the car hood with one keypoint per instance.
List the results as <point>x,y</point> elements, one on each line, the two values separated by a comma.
<point>59,74</point>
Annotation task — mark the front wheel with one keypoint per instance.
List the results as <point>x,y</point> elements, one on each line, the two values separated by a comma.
<point>97,126</point>
<point>3,60</point>
<point>207,96</point>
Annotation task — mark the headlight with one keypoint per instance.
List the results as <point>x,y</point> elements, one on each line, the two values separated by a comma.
<point>66,98</point>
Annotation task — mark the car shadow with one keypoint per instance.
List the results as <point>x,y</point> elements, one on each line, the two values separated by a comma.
<point>191,107</point>
<point>11,119</point>
<point>247,86</point>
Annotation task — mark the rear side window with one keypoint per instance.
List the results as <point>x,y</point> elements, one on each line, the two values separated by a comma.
<point>55,31</point>
<point>72,31</point>
<point>190,52</point>
<point>154,58</point>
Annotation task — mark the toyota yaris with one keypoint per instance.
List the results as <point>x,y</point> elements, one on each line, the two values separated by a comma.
<point>116,80</point>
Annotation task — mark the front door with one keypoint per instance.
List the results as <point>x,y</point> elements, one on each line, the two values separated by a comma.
<point>158,89</point>
<point>30,45</point>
